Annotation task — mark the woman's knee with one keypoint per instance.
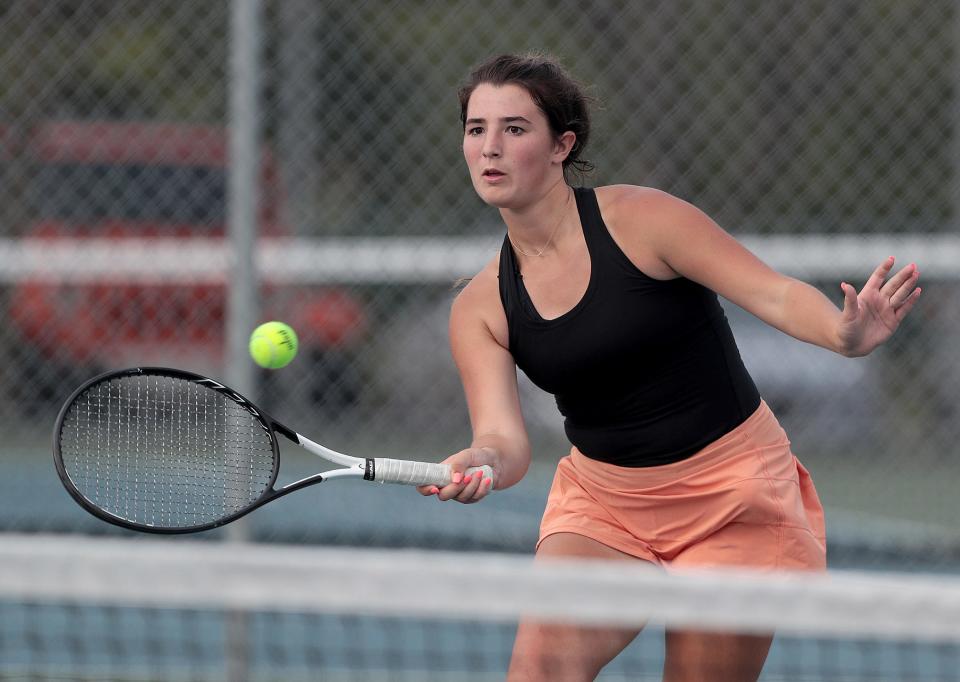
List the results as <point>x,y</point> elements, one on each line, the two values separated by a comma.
<point>565,652</point>
<point>693,656</point>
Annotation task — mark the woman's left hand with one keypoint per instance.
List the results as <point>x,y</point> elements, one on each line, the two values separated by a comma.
<point>870,317</point>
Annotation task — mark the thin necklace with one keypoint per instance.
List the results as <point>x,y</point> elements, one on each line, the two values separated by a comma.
<point>538,254</point>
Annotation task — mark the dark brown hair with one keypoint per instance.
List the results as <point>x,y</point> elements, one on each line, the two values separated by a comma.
<point>560,97</point>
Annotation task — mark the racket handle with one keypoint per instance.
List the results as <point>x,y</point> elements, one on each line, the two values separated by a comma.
<point>418,473</point>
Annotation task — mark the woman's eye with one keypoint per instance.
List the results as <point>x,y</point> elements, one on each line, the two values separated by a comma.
<point>474,131</point>
<point>514,130</point>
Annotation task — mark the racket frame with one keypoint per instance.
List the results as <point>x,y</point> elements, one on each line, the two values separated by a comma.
<point>355,467</point>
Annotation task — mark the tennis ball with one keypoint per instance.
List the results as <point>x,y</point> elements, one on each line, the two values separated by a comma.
<point>273,345</point>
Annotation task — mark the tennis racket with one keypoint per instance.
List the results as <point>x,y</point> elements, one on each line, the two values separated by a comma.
<point>167,451</point>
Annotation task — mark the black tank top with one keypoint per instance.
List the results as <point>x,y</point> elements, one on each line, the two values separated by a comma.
<point>645,372</point>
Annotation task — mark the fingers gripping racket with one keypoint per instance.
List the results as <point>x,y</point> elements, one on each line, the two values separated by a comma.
<point>167,451</point>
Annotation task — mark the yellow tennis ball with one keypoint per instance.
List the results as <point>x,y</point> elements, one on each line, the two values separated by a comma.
<point>273,345</point>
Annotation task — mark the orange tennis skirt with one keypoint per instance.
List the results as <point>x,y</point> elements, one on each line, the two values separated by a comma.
<point>744,500</point>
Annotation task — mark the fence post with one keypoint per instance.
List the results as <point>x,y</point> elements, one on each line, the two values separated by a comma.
<point>242,213</point>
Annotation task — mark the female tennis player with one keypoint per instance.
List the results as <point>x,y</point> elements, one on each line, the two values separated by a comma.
<point>607,298</point>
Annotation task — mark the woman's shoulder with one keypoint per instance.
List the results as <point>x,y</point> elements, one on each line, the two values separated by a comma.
<point>478,303</point>
<point>483,289</point>
<point>634,207</point>
<point>644,221</point>
<point>630,198</point>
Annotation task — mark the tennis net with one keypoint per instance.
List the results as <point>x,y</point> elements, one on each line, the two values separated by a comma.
<point>77,608</point>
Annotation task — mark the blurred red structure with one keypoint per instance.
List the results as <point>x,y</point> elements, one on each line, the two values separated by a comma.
<point>117,181</point>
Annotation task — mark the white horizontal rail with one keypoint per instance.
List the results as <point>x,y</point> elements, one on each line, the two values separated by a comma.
<point>414,259</point>
<point>190,574</point>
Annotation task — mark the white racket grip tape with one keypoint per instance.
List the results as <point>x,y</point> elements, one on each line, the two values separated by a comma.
<point>419,473</point>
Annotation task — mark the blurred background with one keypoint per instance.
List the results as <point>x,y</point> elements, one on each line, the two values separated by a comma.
<point>173,173</point>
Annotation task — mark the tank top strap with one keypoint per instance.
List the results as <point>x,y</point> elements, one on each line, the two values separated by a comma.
<point>603,250</point>
<point>610,264</point>
<point>589,210</point>
<point>508,275</point>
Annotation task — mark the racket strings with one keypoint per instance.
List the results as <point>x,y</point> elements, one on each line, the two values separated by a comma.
<point>165,451</point>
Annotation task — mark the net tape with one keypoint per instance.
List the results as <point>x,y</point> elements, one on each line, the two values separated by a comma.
<point>195,574</point>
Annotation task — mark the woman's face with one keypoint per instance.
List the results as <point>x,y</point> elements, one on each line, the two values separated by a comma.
<point>511,152</point>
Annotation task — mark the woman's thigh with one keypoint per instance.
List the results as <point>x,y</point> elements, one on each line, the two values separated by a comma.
<point>565,652</point>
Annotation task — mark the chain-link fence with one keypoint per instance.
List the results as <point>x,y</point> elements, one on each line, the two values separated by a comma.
<point>816,119</point>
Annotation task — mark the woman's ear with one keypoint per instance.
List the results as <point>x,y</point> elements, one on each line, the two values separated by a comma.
<point>564,145</point>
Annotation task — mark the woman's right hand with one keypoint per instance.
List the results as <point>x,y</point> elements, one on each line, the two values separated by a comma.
<point>467,488</point>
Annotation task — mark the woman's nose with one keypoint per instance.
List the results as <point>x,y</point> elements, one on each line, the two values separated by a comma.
<point>491,148</point>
